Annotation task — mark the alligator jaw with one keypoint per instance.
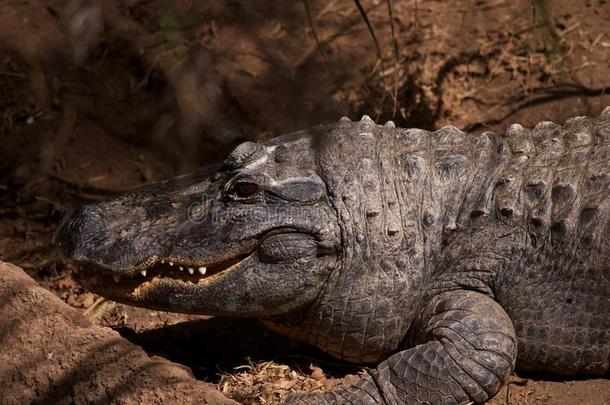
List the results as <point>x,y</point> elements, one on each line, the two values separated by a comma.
<point>132,283</point>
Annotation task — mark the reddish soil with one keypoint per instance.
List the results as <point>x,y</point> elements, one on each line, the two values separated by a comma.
<point>101,96</point>
<point>61,358</point>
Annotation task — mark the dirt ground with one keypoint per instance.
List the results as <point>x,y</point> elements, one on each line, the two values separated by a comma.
<point>97,97</point>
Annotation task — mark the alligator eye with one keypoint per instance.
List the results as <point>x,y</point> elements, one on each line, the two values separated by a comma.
<point>243,189</point>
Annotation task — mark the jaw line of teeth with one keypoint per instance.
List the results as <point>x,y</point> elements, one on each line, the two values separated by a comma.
<point>202,270</point>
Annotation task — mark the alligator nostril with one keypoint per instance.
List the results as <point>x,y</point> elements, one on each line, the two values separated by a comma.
<point>78,230</point>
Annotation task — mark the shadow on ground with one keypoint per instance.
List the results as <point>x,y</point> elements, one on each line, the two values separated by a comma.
<point>217,345</point>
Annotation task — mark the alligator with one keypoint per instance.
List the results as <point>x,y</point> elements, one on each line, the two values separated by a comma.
<point>439,260</point>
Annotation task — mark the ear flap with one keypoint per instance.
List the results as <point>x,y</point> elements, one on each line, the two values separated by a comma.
<point>301,190</point>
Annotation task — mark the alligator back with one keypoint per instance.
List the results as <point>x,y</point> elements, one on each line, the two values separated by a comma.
<point>522,217</point>
<point>525,218</point>
<point>556,195</point>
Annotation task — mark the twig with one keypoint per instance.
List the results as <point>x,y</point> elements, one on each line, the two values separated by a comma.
<point>320,50</point>
<point>569,29</point>
<point>12,74</point>
<point>527,100</point>
<point>395,46</point>
<point>93,306</point>
<point>365,17</point>
<point>89,189</point>
<point>58,206</point>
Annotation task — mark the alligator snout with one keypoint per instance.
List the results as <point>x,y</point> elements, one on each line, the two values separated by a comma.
<point>122,233</point>
<point>115,235</point>
<point>79,232</point>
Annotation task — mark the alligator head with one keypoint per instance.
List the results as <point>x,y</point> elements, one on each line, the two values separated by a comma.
<point>296,232</point>
<point>251,237</point>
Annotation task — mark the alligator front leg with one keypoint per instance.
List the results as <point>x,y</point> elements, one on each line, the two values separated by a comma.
<point>464,349</point>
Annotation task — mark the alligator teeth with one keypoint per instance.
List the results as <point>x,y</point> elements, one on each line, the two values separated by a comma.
<point>143,273</point>
<point>171,263</point>
<point>162,261</point>
<point>202,270</point>
<point>181,268</point>
<point>116,278</point>
<point>191,270</point>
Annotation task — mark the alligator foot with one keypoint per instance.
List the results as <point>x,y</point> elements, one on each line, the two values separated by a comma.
<point>364,392</point>
<point>465,349</point>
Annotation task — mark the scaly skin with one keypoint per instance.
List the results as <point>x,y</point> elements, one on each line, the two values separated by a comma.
<point>443,258</point>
